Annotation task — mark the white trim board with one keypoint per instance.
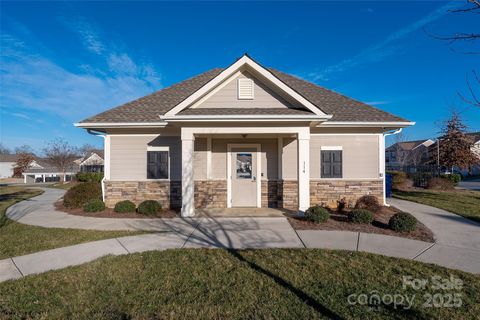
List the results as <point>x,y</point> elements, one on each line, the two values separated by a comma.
<point>258,146</point>
<point>331,148</point>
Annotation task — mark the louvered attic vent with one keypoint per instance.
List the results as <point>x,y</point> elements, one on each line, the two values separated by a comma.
<point>245,88</point>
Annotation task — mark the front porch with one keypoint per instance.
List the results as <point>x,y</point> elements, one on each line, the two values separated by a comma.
<point>255,167</point>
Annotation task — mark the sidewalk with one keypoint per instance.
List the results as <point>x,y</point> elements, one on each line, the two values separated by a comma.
<point>457,246</point>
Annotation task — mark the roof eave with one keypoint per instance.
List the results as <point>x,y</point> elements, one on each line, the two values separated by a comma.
<point>383,124</point>
<point>101,125</point>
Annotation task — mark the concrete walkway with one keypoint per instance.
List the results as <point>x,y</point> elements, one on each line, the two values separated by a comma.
<point>457,246</point>
<point>40,211</point>
<point>457,242</point>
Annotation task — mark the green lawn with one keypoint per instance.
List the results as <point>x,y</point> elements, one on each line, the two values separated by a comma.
<point>19,239</point>
<point>462,202</point>
<point>221,284</point>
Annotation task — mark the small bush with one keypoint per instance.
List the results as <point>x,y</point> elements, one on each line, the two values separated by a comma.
<point>78,195</point>
<point>94,205</point>
<point>317,214</point>
<point>149,207</point>
<point>360,216</point>
<point>440,184</point>
<point>124,206</point>
<point>368,202</point>
<point>403,222</point>
<point>454,177</point>
<point>89,176</point>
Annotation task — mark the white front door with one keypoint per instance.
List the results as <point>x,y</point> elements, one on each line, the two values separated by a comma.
<point>243,175</point>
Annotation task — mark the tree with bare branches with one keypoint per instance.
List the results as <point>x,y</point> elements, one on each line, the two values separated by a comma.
<point>24,161</point>
<point>59,153</point>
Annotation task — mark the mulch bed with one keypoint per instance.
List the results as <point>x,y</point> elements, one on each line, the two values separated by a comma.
<point>109,213</point>
<point>338,221</point>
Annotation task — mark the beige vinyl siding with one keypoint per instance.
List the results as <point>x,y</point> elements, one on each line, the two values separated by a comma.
<point>128,156</point>
<point>289,159</point>
<point>269,156</point>
<point>360,155</point>
<point>227,97</point>
<point>200,159</point>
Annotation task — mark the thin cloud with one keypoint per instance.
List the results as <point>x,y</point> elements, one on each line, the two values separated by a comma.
<point>385,48</point>
<point>89,36</point>
<point>32,81</point>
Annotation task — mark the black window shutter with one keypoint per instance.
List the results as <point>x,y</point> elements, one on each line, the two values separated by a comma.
<point>157,164</point>
<point>331,164</point>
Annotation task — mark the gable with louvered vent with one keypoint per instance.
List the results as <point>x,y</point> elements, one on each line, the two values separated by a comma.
<point>245,88</point>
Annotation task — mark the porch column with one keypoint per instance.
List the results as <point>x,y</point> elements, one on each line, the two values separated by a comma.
<point>188,207</point>
<point>303,170</point>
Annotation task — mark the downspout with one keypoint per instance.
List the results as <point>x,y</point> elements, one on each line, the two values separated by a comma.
<point>388,133</point>
<point>102,183</point>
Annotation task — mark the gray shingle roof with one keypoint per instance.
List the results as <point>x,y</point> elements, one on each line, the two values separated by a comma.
<point>245,111</point>
<point>150,107</point>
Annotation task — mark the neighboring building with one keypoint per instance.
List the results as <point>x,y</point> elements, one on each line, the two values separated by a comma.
<point>7,165</point>
<point>407,153</point>
<point>244,136</point>
<point>92,162</point>
<point>40,171</point>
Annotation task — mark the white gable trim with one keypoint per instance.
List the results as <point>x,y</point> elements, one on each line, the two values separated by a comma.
<point>225,74</point>
<point>93,156</point>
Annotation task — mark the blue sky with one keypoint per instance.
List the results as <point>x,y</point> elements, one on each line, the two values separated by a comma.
<point>62,62</point>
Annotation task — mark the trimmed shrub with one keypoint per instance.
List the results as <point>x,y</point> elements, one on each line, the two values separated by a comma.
<point>403,222</point>
<point>149,207</point>
<point>124,206</point>
<point>454,177</point>
<point>317,214</point>
<point>360,216</point>
<point>368,202</point>
<point>78,195</point>
<point>90,176</point>
<point>94,205</point>
<point>440,184</point>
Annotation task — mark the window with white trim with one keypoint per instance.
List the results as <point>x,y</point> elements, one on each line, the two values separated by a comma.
<point>157,163</point>
<point>331,164</point>
<point>245,89</point>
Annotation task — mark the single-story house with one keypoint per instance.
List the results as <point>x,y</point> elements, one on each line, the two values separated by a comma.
<point>41,171</point>
<point>243,136</point>
<point>91,162</point>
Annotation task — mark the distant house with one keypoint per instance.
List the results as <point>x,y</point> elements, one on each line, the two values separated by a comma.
<point>40,171</point>
<point>92,162</point>
<point>7,165</point>
<point>407,153</point>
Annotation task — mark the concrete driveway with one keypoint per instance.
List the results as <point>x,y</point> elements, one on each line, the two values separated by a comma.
<point>469,185</point>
